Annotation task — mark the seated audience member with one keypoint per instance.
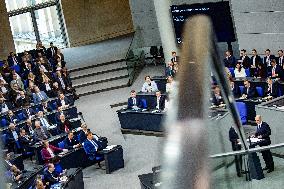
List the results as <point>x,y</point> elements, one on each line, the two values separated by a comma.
<point>62,82</point>
<point>275,70</point>
<point>170,84</point>
<point>11,117</point>
<point>170,69</point>
<point>45,107</point>
<point>50,175</point>
<point>48,151</point>
<point>14,174</point>
<point>8,162</point>
<point>46,86</point>
<point>280,58</point>
<point>255,60</point>
<point>29,127</point>
<point>217,98</point>
<point>12,138</point>
<point>28,112</point>
<point>272,89</point>
<point>30,90</point>
<point>239,71</point>
<point>229,60</point>
<point>39,185</point>
<point>56,88</point>
<point>174,58</point>
<point>91,146</point>
<point>133,101</point>
<point>64,125</point>
<point>267,58</point>
<point>13,60</point>
<point>63,101</point>
<point>15,93</point>
<point>260,71</point>
<point>234,88</point>
<point>17,81</point>
<point>25,141</point>
<point>159,103</point>
<point>43,121</point>
<point>83,133</point>
<point>149,86</point>
<point>22,100</point>
<point>249,91</point>
<point>4,90</point>
<point>58,113</point>
<point>244,59</point>
<point>39,96</point>
<point>32,78</point>
<point>71,143</point>
<point>40,133</point>
<point>5,106</point>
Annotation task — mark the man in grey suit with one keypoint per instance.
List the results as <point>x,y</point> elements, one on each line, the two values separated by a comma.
<point>39,96</point>
<point>40,133</point>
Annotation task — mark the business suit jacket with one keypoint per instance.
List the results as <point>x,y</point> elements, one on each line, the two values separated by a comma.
<point>36,98</point>
<point>8,104</point>
<point>265,132</point>
<point>90,149</point>
<point>266,58</point>
<point>258,60</point>
<point>46,156</point>
<point>251,92</point>
<point>175,59</point>
<point>66,100</point>
<point>130,103</point>
<point>61,126</point>
<point>230,62</point>
<point>278,70</point>
<point>161,103</point>
<point>11,60</point>
<point>216,101</point>
<point>246,62</point>
<point>48,108</point>
<point>57,79</point>
<point>49,52</point>
<point>11,119</point>
<point>51,178</point>
<point>41,134</point>
<point>170,71</point>
<point>10,137</point>
<point>25,144</point>
<point>26,114</point>
<point>22,101</point>
<point>274,90</point>
<point>69,144</point>
<point>279,62</point>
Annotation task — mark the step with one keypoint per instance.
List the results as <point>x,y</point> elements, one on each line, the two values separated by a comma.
<point>98,70</point>
<point>98,78</point>
<point>95,65</point>
<point>102,87</point>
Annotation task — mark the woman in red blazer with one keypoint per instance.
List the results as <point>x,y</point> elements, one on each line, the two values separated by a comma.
<point>48,152</point>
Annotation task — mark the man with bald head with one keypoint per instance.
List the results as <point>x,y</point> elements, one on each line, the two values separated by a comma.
<point>263,132</point>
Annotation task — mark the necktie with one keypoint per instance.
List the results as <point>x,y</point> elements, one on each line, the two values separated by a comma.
<point>158,103</point>
<point>134,101</point>
<point>66,128</point>
<point>52,51</point>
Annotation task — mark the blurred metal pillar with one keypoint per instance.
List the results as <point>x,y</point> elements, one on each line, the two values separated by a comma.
<point>166,27</point>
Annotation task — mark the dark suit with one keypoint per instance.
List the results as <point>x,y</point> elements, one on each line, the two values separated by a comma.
<point>170,71</point>
<point>217,100</point>
<point>258,60</point>
<point>230,62</point>
<point>64,127</point>
<point>11,142</point>
<point>62,82</point>
<point>51,178</point>
<point>28,112</point>
<point>266,60</point>
<point>265,132</point>
<point>11,119</point>
<point>161,103</point>
<point>22,101</point>
<point>274,91</point>
<point>25,143</point>
<point>175,59</point>
<point>280,62</point>
<point>13,61</point>
<point>66,100</point>
<point>68,144</point>
<point>51,52</point>
<point>250,92</point>
<point>233,136</point>
<point>130,103</point>
<point>277,69</point>
<point>246,62</point>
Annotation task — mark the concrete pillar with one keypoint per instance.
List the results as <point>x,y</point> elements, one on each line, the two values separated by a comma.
<point>6,38</point>
<point>166,27</point>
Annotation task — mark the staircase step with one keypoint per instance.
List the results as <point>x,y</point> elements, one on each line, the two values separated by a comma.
<point>93,79</point>
<point>98,70</point>
<point>95,65</point>
<point>103,86</point>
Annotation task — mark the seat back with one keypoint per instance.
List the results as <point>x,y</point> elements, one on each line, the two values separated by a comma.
<point>242,89</point>
<point>21,116</point>
<point>61,144</point>
<point>247,72</point>
<point>144,103</point>
<point>279,92</point>
<point>232,71</point>
<point>260,91</point>
<point>242,109</point>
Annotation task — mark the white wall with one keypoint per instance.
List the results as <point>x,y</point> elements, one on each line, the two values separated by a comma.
<point>259,24</point>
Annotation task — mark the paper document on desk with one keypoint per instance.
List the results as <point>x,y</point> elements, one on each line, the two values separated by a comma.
<point>254,140</point>
<point>281,107</point>
<point>110,147</point>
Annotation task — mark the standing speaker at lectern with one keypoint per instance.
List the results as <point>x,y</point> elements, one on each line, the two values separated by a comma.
<point>263,132</point>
